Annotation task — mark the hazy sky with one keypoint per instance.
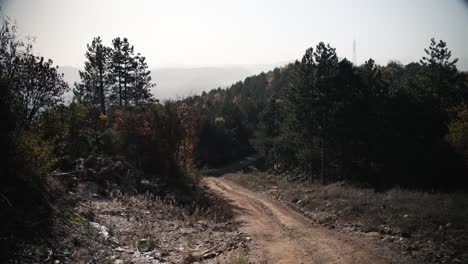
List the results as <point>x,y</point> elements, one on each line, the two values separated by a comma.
<point>218,32</point>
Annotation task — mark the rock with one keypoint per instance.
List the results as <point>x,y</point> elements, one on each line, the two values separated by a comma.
<point>387,238</point>
<point>145,245</point>
<point>118,261</point>
<point>102,230</point>
<point>373,234</point>
<point>121,249</point>
<point>202,223</point>
<point>63,176</point>
<point>208,255</point>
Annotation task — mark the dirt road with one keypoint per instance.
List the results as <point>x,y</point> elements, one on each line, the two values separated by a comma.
<point>281,235</point>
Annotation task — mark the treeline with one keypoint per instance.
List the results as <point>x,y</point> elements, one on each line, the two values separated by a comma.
<point>382,125</point>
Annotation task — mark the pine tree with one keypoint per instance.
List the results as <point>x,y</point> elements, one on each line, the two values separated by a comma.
<point>441,74</point>
<point>95,79</point>
<point>122,68</point>
<point>141,91</point>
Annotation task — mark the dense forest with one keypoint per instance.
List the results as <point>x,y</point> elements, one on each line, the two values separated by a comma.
<point>387,125</point>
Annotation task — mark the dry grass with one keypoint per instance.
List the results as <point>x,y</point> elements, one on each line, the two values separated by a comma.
<point>219,211</point>
<point>419,217</point>
<point>239,258</point>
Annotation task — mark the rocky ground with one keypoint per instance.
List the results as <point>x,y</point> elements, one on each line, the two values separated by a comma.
<point>420,227</point>
<point>93,223</point>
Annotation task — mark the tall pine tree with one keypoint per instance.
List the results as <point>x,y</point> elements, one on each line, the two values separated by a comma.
<point>141,91</point>
<point>96,78</point>
<point>122,68</point>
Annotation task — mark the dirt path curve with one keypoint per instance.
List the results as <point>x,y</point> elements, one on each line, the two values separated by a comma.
<point>281,235</point>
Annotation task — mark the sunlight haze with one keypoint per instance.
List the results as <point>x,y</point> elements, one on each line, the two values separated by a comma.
<point>212,32</point>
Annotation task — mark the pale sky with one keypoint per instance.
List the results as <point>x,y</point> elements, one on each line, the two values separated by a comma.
<point>222,32</point>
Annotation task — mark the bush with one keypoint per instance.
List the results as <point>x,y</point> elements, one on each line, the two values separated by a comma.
<point>34,157</point>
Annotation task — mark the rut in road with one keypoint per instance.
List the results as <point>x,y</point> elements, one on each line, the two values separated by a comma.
<point>282,235</point>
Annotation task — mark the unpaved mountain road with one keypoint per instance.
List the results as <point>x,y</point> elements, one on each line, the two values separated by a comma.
<point>281,235</point>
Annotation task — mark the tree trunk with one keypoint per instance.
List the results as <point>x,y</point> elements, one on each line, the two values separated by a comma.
<point>322,166</point>
<point>120,91</point>
<point>125,86</point>
<point>101,94</point>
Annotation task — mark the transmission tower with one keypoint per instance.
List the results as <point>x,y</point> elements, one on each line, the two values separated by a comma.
<point>354,52</point>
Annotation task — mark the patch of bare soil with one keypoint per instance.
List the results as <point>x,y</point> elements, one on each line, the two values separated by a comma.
<point>281,235</point>
<point>418,227</point>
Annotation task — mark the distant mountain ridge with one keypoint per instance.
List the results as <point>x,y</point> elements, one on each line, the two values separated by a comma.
<point>179,82</point>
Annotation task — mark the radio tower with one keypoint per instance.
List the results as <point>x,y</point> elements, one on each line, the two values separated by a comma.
<point>354,52</point>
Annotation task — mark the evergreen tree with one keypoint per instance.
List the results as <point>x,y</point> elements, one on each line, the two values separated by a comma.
<point>441,74</point>
<point>141,91</point>
<point>96,78</point>
<point>122,67</point>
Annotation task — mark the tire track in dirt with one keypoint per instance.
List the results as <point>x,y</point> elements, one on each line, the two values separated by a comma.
<point>282,235</point>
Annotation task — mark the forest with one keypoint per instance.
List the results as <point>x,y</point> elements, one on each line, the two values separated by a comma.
<point>383,126</point>
<point>372,125</point>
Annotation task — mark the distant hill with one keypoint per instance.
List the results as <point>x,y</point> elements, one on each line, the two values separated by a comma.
<point>181,82</point>
<point>462,63</point>
<point>177,82</point>
<point>71,75</point>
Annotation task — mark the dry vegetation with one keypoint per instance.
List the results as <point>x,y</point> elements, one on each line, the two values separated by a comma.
<point>431,227</point>
<point>140,228</point>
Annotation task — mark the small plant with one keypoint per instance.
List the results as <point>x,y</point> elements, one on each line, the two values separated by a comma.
<point>219,211</point>
<point>239,258</point>
<point>75,219</point>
